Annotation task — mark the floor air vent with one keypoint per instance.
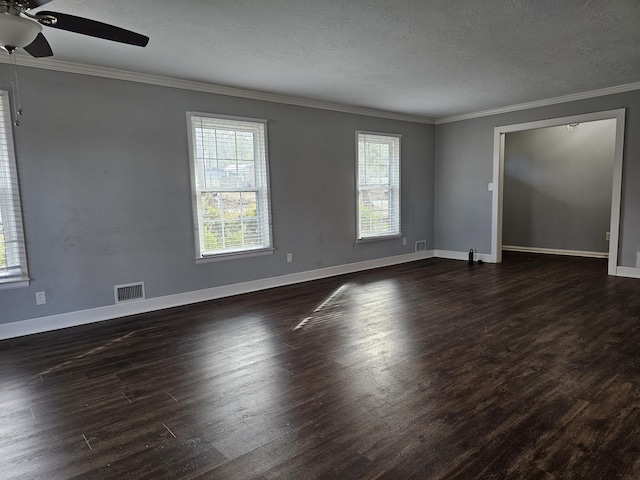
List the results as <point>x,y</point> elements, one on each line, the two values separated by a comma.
<point>129,292</point>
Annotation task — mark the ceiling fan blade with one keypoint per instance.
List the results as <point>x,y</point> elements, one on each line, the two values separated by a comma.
<point>36,3</point>
<point>39,47</point>
<point>93,28</point>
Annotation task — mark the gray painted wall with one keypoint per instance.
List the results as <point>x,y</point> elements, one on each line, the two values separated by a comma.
<point>107,200</point>
<point>464,167</point>
<point>557,187</point>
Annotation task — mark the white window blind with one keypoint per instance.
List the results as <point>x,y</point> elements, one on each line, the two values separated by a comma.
<point>13,258</point>
<point>230,185</point>
<point>378,176</point>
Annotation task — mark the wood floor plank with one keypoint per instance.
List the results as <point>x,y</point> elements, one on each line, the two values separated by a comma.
<point>527,369</point>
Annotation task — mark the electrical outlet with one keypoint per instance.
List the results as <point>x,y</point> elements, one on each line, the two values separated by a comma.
<point>41,298</point>
<point>404,240</point>
<point>490,187</point>
<point>289,257</point>
<point>607,236</point>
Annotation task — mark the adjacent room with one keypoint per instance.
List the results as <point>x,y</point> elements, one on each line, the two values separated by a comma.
<point>247,240</point>
<point>557,189</point>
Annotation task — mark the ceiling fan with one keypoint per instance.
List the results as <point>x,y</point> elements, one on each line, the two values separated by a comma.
<point>21,29</point>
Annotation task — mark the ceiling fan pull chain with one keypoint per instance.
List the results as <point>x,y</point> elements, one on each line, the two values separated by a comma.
<point>16,93</point>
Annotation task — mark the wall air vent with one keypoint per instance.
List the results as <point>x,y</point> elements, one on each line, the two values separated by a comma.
<point>421,246</point>
<point>129,292</point>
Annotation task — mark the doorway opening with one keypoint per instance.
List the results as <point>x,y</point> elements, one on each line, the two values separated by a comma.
<point>500,133</point>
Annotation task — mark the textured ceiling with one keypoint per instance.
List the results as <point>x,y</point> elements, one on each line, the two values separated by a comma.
<point>430,58</point>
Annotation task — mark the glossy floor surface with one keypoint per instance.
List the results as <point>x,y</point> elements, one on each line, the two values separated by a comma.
<point>430,370</point>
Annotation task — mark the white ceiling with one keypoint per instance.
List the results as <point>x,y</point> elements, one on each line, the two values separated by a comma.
<point>433,58</point>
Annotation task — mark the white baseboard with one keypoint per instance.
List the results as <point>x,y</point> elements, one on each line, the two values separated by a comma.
<point>553,251</point>
<point>453,255</point>
<point>83,317</point>
<point>630,272</point>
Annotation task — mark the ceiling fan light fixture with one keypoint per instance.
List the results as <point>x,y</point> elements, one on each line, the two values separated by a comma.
<point>17,32</point>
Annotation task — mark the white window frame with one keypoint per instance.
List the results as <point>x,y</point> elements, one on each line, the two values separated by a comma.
<point>15,273</point>
<point>262,189</point>
<point>393,185</point>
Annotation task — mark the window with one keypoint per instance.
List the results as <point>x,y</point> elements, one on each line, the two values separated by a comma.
<point>13,258</point>
<point>378,173</point>
<point>230,185</point>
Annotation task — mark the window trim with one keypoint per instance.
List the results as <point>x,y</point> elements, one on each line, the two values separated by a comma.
<point>231,254</point>
<point>21,279</point>
<point>384,236</point>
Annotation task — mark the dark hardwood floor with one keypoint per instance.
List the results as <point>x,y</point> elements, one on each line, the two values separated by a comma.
<point>431,370</point>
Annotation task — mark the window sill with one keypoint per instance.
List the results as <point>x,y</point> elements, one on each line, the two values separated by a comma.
<point>234,255</point>
<point>8,283</point>
<point>379,237</point>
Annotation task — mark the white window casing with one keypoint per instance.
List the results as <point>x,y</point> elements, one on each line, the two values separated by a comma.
<point>13,256</point>
<point>378,185</point>
<point>230,186</point>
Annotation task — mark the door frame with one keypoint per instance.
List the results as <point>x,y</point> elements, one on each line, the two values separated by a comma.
<point>498,176</point>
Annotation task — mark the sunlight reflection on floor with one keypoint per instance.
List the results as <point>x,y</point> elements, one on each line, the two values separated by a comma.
<point>326,303</point>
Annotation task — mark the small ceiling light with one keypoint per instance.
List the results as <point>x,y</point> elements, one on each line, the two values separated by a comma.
<point>17,32</point>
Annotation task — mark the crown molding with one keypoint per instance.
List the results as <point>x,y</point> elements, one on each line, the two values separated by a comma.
<point>95,71</point>
<point>171,82</point>
<point>629,87</point>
